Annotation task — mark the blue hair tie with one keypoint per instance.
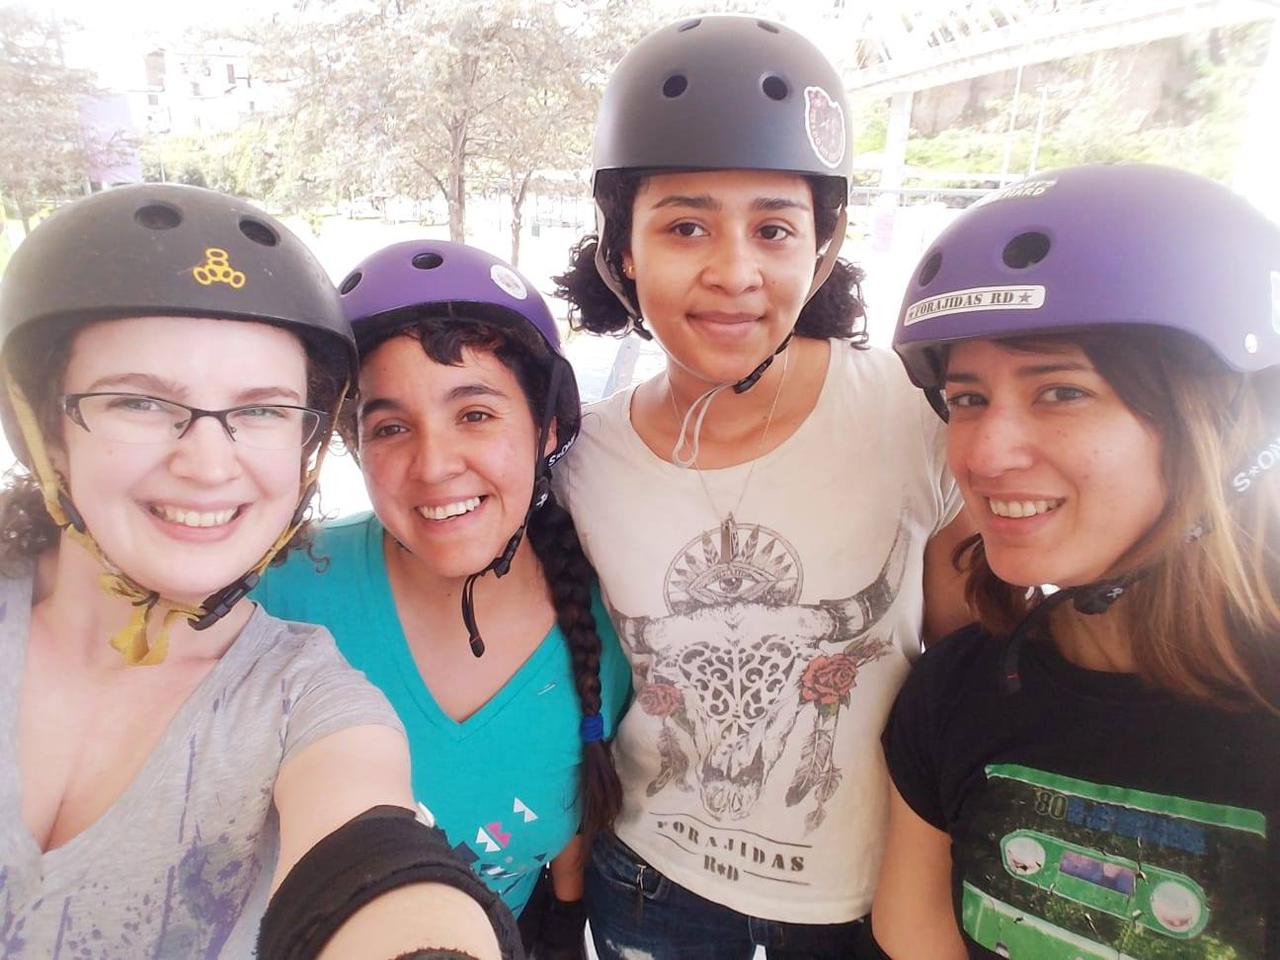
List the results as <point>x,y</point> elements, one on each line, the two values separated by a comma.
<point>592,728</point>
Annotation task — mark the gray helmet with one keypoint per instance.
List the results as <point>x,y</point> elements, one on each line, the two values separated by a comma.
<point>725,92</point>
<point>165,249</point>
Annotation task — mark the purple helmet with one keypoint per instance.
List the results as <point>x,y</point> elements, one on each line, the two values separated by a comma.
<point>427,274</point>
<point>1093,246</point>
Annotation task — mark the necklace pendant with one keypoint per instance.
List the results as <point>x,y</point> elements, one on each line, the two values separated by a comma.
<point>727,528</point>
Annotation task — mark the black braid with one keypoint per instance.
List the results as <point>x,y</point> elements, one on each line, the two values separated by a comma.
<point>570,576</point>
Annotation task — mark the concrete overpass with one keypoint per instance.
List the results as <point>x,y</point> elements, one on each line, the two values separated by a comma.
<point>896,49</point>
<point>909,47</point>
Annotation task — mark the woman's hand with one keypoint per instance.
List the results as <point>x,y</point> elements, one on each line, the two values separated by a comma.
<point>562,934</point>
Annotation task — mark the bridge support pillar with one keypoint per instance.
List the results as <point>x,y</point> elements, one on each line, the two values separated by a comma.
<point>884,212</point>
<point>895,147</point>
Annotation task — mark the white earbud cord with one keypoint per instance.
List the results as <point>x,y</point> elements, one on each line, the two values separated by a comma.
<point>755,457</point>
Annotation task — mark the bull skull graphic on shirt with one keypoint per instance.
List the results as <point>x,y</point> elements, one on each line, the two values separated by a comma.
<point>739,659</point>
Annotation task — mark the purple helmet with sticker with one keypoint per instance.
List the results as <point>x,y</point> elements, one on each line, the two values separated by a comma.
<point>418,273</point>
<point>1095,246</point>
<point>391,288</point>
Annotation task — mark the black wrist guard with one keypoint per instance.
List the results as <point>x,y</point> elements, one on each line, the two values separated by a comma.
<point>563,930</point>
<point>382,849</point>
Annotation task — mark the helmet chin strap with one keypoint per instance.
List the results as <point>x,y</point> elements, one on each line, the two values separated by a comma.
<point>218,605</point>
<point>1089,598</point>
<point>686,449</point>
<point>826,262</point>
<point>611,279</point>
<point>132,641</point>
<point>501,564</point>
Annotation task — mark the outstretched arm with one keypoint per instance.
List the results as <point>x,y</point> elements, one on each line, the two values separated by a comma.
<point>340,801</point>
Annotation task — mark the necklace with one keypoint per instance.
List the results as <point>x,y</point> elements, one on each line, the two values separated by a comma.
<point>755,457</point>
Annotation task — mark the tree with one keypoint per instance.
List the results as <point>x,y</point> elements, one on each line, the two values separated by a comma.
<point>420,98</point>
<point>44,149</point>
<point>412,97</point>
<point>544,119</point>
<point>553,90</point>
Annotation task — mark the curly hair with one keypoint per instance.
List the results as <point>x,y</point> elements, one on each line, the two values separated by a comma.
<point>835,311</point>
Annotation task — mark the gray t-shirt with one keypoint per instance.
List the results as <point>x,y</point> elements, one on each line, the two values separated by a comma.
<point>181,863</point>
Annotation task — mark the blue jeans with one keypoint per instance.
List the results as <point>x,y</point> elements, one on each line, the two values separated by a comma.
<point>636,912</point>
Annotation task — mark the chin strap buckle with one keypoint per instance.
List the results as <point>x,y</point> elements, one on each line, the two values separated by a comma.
<point>1099,597</point>
<point>219,604</point>
<point>1092,598</point>
<point>749,381</point>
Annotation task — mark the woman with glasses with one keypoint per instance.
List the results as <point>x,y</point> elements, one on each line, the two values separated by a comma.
<point>172,757</point>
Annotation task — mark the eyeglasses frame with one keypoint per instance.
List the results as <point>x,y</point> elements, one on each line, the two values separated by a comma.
<point>71,407</point>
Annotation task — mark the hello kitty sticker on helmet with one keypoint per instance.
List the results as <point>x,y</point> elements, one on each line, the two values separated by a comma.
<point>824,126</point>
<point>508,282</point>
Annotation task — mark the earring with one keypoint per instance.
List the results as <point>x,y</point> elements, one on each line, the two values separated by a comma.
<point>629,270</point>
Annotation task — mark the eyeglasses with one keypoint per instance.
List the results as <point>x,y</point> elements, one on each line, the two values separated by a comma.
<point>135,418</point>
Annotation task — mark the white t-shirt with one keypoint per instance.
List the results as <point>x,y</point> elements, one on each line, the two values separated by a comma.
<point>766,646</point>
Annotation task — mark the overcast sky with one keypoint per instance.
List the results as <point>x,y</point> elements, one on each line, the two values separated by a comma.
<point>115,33</point>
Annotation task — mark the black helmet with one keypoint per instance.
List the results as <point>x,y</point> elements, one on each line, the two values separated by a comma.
<point>166,250</point>
<point>725,92</point>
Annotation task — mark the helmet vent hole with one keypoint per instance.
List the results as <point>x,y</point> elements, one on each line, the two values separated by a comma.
<point>258,232</point>
<point>675,85</point>
<point>352,281</point>
<point>775,88</point>
<point>1025,250</point>
<point>768,27</point>
<point>158,216</point>
<point>688,25</point>
<point>930,269</point>
<point>427,261</point>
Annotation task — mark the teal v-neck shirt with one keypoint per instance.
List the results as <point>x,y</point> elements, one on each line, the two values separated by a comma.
<point>502,784</point>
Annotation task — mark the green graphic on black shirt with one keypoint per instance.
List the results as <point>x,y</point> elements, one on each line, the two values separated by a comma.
<point>1056,867</point>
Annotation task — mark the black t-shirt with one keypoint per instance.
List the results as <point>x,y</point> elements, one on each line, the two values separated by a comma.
<point>1090,816</point>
